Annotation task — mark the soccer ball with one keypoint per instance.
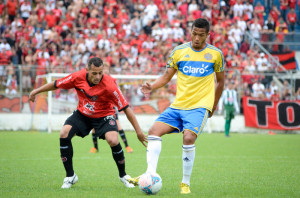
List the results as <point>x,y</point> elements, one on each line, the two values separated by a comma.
<point>150,183</point>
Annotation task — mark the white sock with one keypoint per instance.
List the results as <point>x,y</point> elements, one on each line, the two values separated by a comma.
<point>188,157</point>
<point>153,151</point>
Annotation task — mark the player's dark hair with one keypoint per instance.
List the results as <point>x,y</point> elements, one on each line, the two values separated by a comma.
<point>97,62</point>
<point>201,23</point>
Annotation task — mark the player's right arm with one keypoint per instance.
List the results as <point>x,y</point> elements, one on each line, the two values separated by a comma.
<point>160,82</point>
<point>47,87</point>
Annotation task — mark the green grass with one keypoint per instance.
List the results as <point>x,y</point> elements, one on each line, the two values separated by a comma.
<point>244,165</point>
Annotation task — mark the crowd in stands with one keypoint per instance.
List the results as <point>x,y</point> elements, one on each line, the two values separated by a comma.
<point>134,36</point>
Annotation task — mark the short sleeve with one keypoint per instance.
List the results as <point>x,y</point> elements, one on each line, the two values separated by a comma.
<point>172,63</point>
<point>220,63</point>
<point>65,83</point>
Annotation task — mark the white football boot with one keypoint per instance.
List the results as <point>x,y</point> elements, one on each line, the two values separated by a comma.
<point>125,182</point>
<point>69,181</point>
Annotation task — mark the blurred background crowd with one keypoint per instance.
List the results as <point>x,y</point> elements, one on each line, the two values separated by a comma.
<point>137,36</point>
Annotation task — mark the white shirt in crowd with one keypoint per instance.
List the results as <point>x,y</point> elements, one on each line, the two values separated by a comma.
<point>255,30</point>
<point>151,10</point>
<point>258,89</point>
<point>25,10</point>
<point>5,46</point>
<point>238,9</point>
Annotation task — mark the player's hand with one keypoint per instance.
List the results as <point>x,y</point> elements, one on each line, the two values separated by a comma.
<point>32,96</point>
<point>146,88</point>
<point>143,138</point>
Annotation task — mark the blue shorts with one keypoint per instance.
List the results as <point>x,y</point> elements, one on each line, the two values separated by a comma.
<point>193,120</point>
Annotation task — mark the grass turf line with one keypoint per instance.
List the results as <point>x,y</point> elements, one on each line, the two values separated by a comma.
<point>245,165</point>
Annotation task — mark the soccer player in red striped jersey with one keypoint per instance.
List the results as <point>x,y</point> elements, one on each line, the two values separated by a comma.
<point>97,94</point>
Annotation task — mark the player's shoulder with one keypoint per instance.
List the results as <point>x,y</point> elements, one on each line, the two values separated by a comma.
<point>181,47</point>
<point>80,73</point>
<point>109,79</point>
<point>214,49</point>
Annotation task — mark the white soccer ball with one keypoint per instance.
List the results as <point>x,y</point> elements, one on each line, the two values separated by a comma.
<point>150,183</point>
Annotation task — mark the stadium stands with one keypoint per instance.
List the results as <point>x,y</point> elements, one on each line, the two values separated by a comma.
<point>135,36</point>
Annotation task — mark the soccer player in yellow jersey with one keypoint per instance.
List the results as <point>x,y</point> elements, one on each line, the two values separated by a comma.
<point>196,63</point>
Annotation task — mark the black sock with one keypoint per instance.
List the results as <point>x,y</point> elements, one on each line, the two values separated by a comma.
<point>119,158</point>
<point>66,154</point>
<point>122,134</point>
<point>95,141</point>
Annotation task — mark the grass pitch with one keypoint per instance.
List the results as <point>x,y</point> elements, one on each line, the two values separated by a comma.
<point>244,165</point>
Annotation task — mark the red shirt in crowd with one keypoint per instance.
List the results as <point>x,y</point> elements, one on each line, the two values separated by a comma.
<point>12,6</point>
<point>41,12</point>
<point>292,4</point>
<point>292,17</point>
<point>95,101</point>
<point>2,7</point>
<point>51,20</point>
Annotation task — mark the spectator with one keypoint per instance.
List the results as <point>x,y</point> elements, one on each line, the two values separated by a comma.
<point>275,96</point>
<point>248,9</point>
<point>292,20</point>
<point>283,8</point>
<point>268,93</point>
<point>273,86</point>
<point>12,6</point>
<point>286,94</point>
<point>260,61</point>
<point>255,29</point>
<point>25,10</point>
<point>258,89</point>
<point>238,9</point>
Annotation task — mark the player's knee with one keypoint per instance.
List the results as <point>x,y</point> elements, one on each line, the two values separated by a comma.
<point>153,131</point>
<point>113,142</point>
<point>112,138</point>
<point>189,138</point>
<point>65,132</point>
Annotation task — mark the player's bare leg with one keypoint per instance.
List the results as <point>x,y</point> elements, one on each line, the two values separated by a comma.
<point>113,140</point>
<point>66,150</point>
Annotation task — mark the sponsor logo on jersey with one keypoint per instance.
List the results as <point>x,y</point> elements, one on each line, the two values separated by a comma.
<point>208,56</point>
<point>90,106</point>
<point>195,70</point>
<point>65,80</point>
<point>187,56</point>
<point>118,98</point>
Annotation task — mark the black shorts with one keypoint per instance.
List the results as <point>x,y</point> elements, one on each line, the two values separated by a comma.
<point>82,125</point>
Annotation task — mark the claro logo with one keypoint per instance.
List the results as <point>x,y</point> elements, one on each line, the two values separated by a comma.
<point>60,82</point>
<point>195,70</point>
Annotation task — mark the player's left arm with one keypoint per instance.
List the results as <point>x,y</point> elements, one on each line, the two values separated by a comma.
<point>219,90</point>
<point>132,119</point>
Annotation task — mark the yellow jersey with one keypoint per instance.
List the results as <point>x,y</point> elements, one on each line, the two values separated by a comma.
<point>195,75</point>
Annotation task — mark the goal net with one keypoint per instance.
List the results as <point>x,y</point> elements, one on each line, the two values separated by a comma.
<point>59,104</point>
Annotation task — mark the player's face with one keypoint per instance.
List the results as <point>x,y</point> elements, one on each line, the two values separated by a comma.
<point>199,36</point>
<point>95,74</point>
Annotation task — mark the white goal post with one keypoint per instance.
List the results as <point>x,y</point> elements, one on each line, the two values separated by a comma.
<point>52,76</point>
